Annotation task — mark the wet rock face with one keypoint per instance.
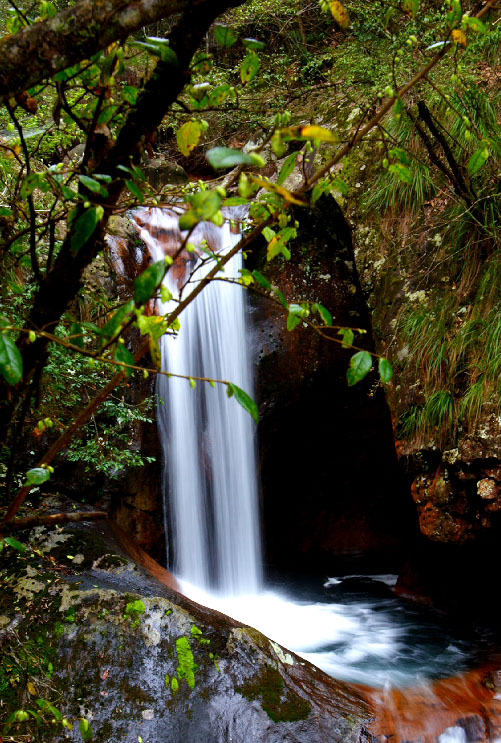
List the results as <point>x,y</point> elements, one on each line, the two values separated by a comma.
<point>141,661</point>
<point>331,485</point>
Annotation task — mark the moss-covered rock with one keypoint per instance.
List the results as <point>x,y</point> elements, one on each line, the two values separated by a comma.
<point>103,640</point>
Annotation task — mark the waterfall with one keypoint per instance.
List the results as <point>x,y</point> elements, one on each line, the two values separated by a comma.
<point>208,440</point>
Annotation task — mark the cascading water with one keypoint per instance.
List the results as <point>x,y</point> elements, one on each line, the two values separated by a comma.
<point>211,502</point>
<point>210,481</point>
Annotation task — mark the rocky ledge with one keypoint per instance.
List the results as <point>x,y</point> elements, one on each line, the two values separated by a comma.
<point>89,634</point>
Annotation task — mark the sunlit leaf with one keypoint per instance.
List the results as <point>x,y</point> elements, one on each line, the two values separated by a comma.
<point>474,23</point>
<point>284,192</point>
<point>318,132</point>
<point>340,14</point>
<point>188,137</point>
<point>402,172</point>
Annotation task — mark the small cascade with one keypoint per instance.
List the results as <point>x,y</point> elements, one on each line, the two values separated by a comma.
<point>210,484</point>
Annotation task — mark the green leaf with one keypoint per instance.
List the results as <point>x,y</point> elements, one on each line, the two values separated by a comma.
<point>85,226</point>
<point>31,182</point>
<point>399,107</point>
<point>385,370</point>
<point>319,189</point>
<point>37,476</point>
<point>478,160</point>
<point>11,362</point>
<point>243,399</point>
<point>189,136</point>
<point>261,280</point>
<point>360,366</point>
<point>85,730</point>
<point>254,44</point>
<point>165,293</point>
<point>324,313</point>
<point>474,23</point>
<point>204,205</point>
<point>220,94</point>
<point>146,284</point>
<point>225,157</point>
<point>280,296</point>
<point>347,335</point>
<point>224,35</point>
<point>123,355</point>
<point>116,322</point>
<point>152,325</point>
<point>6,212</point>
<point>401,155</point>
<point>135,189</point>
<point>249,67</point>
<point>402,172</point>
<point>76,334</point>
<point>15,544</point>
<point>130,94</point>
<point>293,321</point>
<point>411,6</point>
<point>158,47</point>
<point>93,185</point>
<point>287,168</point>
<point>174,685</point>
<point>235,201</point>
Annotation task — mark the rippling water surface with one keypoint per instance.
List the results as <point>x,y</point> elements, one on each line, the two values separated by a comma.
<point>356,629</point>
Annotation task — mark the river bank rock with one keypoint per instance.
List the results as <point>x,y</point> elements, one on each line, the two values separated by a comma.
<point>88,630</point>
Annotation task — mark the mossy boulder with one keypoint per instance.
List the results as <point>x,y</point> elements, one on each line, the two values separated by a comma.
<point>89,632</point>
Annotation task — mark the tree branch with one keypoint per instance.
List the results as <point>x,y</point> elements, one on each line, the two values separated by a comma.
<point>44,49</point>
<point>55,518</point>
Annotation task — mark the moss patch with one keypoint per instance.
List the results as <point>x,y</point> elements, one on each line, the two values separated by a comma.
<point>279,703</point>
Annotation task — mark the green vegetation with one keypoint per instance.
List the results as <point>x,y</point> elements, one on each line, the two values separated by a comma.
<point>280,703</point>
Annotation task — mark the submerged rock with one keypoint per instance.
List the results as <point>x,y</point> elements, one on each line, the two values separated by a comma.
<point>105,641</point>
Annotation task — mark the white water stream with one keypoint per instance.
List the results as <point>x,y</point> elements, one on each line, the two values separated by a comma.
<point>211,492</point>
<point>210,483</point>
